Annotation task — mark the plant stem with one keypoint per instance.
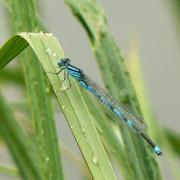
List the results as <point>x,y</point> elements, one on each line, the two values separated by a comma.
<point>116,79</point>
<point>19,144</point>
<point>24,16</point>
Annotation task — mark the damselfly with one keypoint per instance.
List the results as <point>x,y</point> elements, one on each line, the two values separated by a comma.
<point>131,120</point>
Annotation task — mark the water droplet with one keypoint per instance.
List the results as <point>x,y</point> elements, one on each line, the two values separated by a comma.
<point>63,107</point>
<point>49,34</point>
<point>83,129</point>
<point>47,159</point>
<point>48,51</point>
<point>47,90</point>
<point>54,55</point>
<point>76,111</point>
<point>63,88</point>
<point>71,126</point>
<point>95,160</point>
<point>42,132</point>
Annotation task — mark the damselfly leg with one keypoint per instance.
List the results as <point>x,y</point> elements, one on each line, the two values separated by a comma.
<point>65,77</point>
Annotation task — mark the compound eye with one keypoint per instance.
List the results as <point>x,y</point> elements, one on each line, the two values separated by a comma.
<point>60,63</point>
<point>67,60</point>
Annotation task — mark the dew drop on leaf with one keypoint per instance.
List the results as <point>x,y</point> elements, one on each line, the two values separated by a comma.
<point>95,160</point>
<point>48,50</point>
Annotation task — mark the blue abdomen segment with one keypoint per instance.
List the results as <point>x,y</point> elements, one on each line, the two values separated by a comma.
<point>83,84</point>
<point>128,122</point>
<point>103,99</point>
<point>89,88</point>
<point>118,113</point>
<point>157,150</point>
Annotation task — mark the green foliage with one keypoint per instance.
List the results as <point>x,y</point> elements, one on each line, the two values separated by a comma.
<point>11,171</point>
<point>108,133</point>
<point>100,139</point>
<point>173,140</point>
<point>48,52</point>
<point>116,79</point>
<point>19,145</point>
<point>23,17</point>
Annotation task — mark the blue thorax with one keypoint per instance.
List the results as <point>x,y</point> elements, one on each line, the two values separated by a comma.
<point>74,72</point>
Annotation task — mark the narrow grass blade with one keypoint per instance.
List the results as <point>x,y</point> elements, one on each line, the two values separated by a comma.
<point>116,78</point>
<point>69,154</point>
<point>19,145</point>
<point>8,170</point>
<point>168,139</point>
<point>173,139</point>
<point>136,76</point>
<point>109,136</point>
<point>76,112</point>
<point>14,76</point>
<point>24,17</point>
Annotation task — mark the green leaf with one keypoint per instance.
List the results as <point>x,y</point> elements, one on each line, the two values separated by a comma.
<point>136,75</point>
<point>173,140</point>
<point>14,76</point>
<point>23,17</point>
<point>116,79</point>
<point>48,51</point>
<point>109,136</point>
<point>17,44</point>
<point>19,145</point>
<point>8,170</point>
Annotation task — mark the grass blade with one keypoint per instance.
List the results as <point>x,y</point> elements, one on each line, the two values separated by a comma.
<point>76,112</point>
<point>19,145</point>
<point>24,18</point>
<point>9,171</point>
<point>173,140</point>
<point>136,75</point>
<point>109,136</point>
<point>116,78</point>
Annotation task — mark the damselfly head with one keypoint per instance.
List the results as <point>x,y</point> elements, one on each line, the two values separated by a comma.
<point>63,62</point>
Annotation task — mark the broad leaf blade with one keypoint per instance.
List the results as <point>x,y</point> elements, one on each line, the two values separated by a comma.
<point>48,52</point>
